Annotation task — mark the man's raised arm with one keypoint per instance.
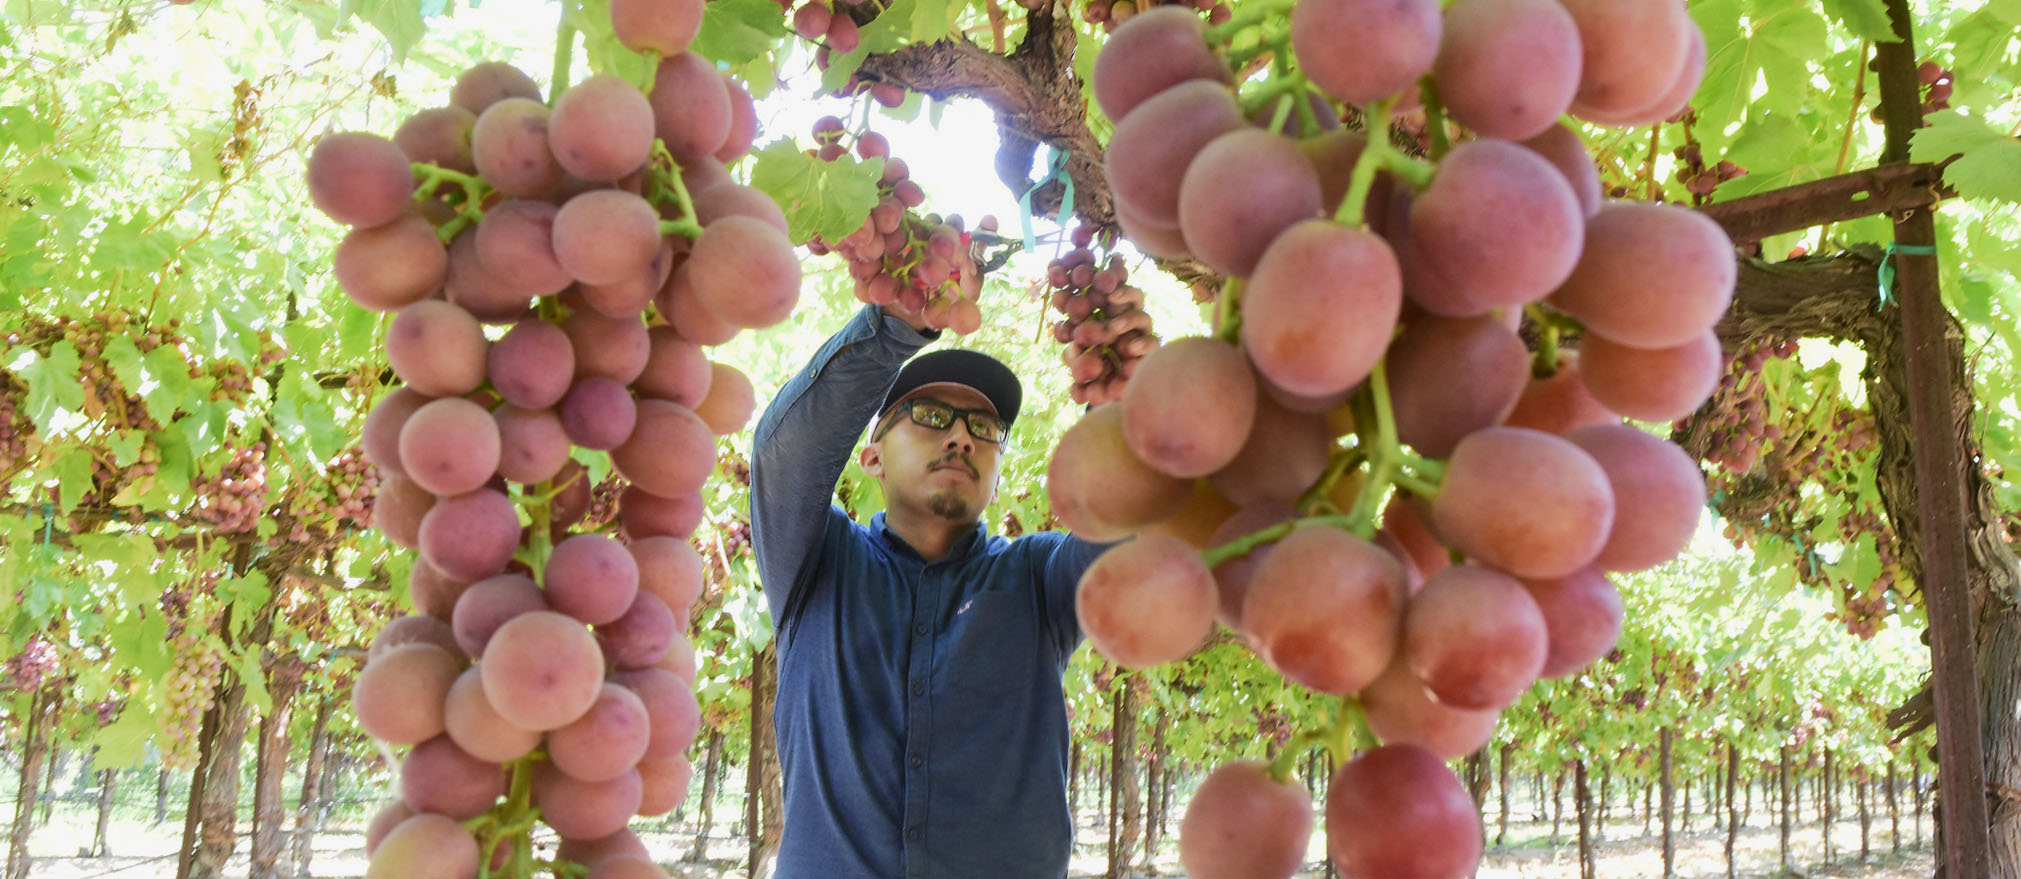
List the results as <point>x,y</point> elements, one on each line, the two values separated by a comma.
<point>803,441</point>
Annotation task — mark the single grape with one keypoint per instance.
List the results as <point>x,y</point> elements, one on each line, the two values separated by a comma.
<point>591,577</point>
<point>1474,637</point>
<point>542,670</point>
<point>1323,608</point>
<point>1155,51</point>
<point>1583,613</point>
<point>606,741</point>
<point>359,179</point>
<point>1163,402</point>
<point>437,348</point>
<point>1099,488</point>
<point>1362,51</point>
<point>1525,502</point>
<point>1243,824</point>
<point>1319,311</point>
<point>1650,275</point>
<point>601,128</point>
<point>1397,811</point>
<point>1147,602</point>
<point>398,697</point>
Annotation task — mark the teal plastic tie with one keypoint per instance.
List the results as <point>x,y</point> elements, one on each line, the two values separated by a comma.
<point>1887,273</point>
<point>1056,170</point>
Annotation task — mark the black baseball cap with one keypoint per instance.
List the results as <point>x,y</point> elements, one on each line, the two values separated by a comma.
<point>974,369</point>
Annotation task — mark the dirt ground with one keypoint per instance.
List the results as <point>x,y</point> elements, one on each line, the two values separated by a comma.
<point>147,851</point>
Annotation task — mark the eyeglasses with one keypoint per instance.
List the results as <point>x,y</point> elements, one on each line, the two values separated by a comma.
<point>936,415</point>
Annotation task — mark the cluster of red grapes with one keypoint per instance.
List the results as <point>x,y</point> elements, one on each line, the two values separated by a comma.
<point>1103,323</point>
<point>1112,13</point>
<point>1936,82</point>
<point>35,662</point>
<point>15,427</point>
<point>235,498</point>
<point>818,21</point>
<point>321,511</point>
<point>1739,422</point>
<point>1390,312</point>
<point>1701,179</point>
<point>921,264</point>
<point>547,673</point>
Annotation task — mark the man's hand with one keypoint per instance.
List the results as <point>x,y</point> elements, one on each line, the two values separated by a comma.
<point>915,318</point>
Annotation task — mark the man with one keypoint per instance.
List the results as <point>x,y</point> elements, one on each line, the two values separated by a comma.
<point>920,718</point>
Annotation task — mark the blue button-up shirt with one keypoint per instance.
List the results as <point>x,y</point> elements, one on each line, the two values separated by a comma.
<point>921,721</point>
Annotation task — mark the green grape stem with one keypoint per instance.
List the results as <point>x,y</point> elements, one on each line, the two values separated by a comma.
<point>1435,117</point>
<point>1286,760</point>
<point>1228,312</point>
<point>1379,155</point>
<point>665,184</point>
<point>1249,15</point>
<point>430,176</point>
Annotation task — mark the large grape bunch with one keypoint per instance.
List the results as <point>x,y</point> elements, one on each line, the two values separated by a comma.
<point>922,264</point>
<point>1103,325</point>
<point>554,273</point>
<point>1366,472</point>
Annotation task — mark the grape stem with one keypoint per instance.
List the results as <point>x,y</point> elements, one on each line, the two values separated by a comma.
<point>1379,155</point>
<point>1435,117</point>
<point>1277,87</point>
<point>474,189</point>
<point>1282,764</point>
<point>1228,312</point>
<point>665,183</point>
<point>1247,543</point>
<point>1251,13</point>
<point>1350,733</point>
<point>1343,461</point>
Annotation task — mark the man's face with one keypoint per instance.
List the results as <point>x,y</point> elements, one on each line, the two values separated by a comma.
<point>947,473</point>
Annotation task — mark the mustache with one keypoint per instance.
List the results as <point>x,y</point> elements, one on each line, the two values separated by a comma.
<point>955,457</point>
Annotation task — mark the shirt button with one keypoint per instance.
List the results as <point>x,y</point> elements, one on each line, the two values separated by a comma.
<point>919,629</point>
<point>912,834</point>
<point>918,762</point>
<point>919,689</point>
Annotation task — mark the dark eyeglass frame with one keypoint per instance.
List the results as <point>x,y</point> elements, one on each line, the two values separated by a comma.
<point>969,418</point>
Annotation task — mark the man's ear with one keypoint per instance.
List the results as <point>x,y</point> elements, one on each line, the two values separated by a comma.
<point>872,461</point>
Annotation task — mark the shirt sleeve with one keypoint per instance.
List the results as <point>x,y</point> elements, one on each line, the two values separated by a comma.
<point>1062,577</point>
<point>803,441</point>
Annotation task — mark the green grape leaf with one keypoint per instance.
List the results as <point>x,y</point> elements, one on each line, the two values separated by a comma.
<point>399,21</point>
<point>1989,161</point>
<point>132,557</point>
<point>123,356</point>
<point>1867,19</point>
<point>825,199</point>
<point>933,20</point>
<point>125,446</point>
<point>250,674</point>
<point>737,32</point>
<point>247,594</point>
<point>166,383</point>
<point>124,743</point>
<point>73,477</point>
<point>178,463</point>
<point>53,384</point>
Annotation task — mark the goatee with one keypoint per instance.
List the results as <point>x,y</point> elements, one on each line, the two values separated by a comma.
<point>950,506</point>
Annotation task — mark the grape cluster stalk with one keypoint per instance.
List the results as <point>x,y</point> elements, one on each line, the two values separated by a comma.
<point>921,263</point>
<point>1103,326</point>
<point>1365,471</point>
<point>554,273</point>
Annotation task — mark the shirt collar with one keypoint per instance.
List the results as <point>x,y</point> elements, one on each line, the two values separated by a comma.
<point>963,545</point>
